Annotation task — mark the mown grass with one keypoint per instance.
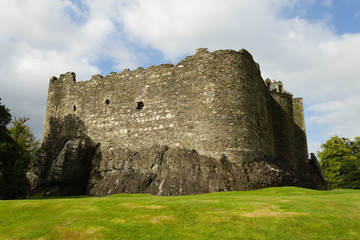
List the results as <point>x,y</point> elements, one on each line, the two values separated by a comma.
<point>272,213</point>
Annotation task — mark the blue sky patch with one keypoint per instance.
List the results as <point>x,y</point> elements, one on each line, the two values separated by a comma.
<point>343,16</point>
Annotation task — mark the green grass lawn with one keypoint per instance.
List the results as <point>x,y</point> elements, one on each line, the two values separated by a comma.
<point>272,213</point>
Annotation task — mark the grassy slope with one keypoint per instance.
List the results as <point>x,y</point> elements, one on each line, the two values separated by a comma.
<point>273,213</point>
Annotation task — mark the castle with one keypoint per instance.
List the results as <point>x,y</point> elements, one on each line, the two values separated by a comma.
<point>215,103</point>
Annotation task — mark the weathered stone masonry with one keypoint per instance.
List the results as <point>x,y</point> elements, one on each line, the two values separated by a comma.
<point>213,102</point>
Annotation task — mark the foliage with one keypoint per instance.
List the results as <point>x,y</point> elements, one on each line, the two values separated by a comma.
<point>17,148</point>
<point>5,118</point>
<point>340,160</point>
<point>272,213</point>
<point>24,138</point>
<point>6,147</point>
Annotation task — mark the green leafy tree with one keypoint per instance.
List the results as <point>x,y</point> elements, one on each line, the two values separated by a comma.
<point>5,118</point>
<point>17,149</point>
<point>7,150</point>
<point>24,138</point>
<point>340,160</point>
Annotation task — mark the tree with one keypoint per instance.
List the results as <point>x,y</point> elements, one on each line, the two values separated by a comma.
<point>340,160</point>
<point>5,118</point>
<point>7,151</point>
<point>24,138</point>
<point>17,149</point>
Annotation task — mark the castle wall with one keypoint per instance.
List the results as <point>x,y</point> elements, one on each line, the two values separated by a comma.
<point>213,102</point>
<point>301,150</point>
<point>282,115</point>
<point>289,133</point>
<point>298,113</point>
<point>57,101</point>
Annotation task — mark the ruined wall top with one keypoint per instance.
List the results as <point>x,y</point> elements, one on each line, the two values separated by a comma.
<point>202,56</point>
<point>275,86</point>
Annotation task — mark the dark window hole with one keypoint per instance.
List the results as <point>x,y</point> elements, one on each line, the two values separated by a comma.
<point>107,101</point>
<point>74,108</point>
<point>140,105</point>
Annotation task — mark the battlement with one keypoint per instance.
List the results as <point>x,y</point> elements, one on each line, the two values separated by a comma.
<point>201,55</point>
<point>69,77</point>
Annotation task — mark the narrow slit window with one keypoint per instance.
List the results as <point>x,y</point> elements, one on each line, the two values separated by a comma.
<point>107,102</point>
<point>140,105</point>
<point>74,108</point>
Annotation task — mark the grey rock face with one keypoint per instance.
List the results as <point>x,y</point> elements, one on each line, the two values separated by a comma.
<point>72,162</point>
<point>80,167</point>
<point>176,171</point>
<point>67,172</point>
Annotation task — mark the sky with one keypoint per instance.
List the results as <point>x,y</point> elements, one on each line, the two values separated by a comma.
<point>312,46</point>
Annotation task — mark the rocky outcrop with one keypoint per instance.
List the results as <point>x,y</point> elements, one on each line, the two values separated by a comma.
<point>63,169</point>
<point>77,166</point>
<point>174,171</point>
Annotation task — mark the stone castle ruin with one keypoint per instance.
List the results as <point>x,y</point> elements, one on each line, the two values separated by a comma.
<point>209,123</point>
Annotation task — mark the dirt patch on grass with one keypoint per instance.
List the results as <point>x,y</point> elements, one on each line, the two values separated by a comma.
<point>132,205</point>
<point>93,230</point>
<point>208,201</point>
<point>218,219</point>
<point>152,207</point>
<point>162,219</point>
<point>81,208</point>
<point>218,215</point>
<point>90,233</point>
<point>117,220</point>
<point>70,235</point>
<point>269,213</point>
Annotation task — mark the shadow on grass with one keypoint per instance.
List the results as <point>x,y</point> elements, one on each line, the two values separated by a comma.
<point>40,197</point>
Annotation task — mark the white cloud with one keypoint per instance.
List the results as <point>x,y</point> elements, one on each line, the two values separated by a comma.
<point>45,38</point>
<point>180,26</point>
<point>341,115</point>
<point>314,147</point>
<point>327,3</point>
<point>39,40</point>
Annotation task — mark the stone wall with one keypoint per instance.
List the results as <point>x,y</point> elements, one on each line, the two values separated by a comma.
<point>301,150</point>
<point>214,102</point>
<point>208,123</point>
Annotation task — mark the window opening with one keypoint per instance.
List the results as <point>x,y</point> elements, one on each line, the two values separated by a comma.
<point>280,89</point>
<point>74,108</point>
<point>140,105</point>
<point>107,102</point>
<point>268,85</point>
